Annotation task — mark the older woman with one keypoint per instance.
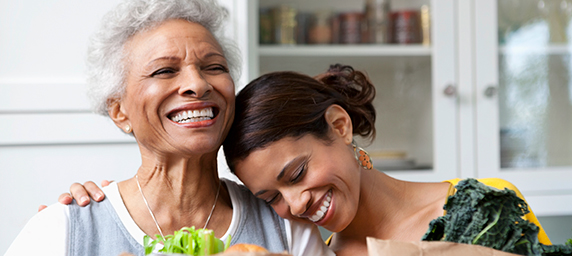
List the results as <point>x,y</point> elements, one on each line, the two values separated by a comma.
<point>157,69</point>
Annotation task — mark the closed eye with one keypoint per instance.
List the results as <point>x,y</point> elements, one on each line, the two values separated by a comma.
<point>164,72</point>
<point>217,69</point>
<point>299,174</point>
<point>272,200</point>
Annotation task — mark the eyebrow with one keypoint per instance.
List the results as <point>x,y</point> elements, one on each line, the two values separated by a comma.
<point>213,54</point>
<point>175,58</point>
<point>281,174</point>
<point>260,192</point>
<point>168,58</point>
<point>286,167</point>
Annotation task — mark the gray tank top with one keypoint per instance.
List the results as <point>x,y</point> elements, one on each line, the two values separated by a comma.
<point>97,229</point>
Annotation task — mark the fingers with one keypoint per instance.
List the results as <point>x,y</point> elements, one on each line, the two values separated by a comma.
<point>94,191</point>
<point>65,198</point>
<point>80,194</point>
<point>105,183</point>
<point>42,207</point>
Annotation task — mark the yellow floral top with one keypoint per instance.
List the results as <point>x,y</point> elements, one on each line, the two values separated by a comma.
<point>500,184</point>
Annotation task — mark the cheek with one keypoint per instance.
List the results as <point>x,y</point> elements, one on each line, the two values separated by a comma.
<point>324,173</point>
<point>144,93</point>
<point>224,85</point>
<point>151,90</point>
<point>229,94</point>
<point>281,209</point>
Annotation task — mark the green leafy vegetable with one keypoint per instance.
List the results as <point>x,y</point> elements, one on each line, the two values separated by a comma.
<point>189,241</point>
<point>483,215</point>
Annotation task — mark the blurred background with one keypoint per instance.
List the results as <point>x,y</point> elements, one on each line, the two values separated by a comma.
<point>476,88</point>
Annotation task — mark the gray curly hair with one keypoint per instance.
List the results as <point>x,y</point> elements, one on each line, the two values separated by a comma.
<point>106,57</point>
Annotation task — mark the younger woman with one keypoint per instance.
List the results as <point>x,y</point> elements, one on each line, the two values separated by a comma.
<point>292,145</point>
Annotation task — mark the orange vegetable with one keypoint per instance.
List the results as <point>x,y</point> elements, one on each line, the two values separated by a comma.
<point>246,248</point>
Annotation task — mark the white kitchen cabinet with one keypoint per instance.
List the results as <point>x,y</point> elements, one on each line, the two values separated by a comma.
<point>523,98</point>
<point>443,107</point>
<point>416,124</point>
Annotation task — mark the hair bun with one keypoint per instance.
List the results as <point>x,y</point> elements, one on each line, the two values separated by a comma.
<point>358,93</point>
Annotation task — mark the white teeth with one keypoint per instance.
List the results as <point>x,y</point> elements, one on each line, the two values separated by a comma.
<point>323,209</point>
<point>192,116</point>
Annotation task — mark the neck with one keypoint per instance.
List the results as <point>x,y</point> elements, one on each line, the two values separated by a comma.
<point>382,198</point>
<point>180,193</point>
<point>391,209</point>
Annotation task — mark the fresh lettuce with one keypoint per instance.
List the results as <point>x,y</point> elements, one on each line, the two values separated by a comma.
<point>189,241</point>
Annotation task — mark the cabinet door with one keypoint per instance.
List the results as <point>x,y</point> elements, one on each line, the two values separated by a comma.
<point>416,98</point>
<point>523,94</point>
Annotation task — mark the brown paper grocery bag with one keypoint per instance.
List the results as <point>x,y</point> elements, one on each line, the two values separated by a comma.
<point>378,247</point>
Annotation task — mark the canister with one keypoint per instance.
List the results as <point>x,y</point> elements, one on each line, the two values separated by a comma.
<point>321,29</point>
<point>406,27</point>
<point>266,28</point>
<point>350,27</point>
<point>284,25</point>
<point>378,21</point>
<point>304,22</point>
<point>425,25</point>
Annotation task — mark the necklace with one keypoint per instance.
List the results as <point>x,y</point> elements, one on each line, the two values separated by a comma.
<point>153,215</point>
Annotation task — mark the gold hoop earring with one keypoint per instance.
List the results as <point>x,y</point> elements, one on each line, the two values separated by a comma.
<point>362,157</point>
<point>128,129</point>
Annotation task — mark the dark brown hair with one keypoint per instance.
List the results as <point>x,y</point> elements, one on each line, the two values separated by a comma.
<point>288,104</point>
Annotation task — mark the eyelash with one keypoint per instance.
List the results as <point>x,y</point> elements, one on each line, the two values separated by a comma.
<point>163,71</point>
<point>171,70</point>
<point>219,67</point>
<point>300,173</point>
<point>272,200</point>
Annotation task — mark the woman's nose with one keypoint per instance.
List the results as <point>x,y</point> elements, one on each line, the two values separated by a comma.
<point>298,202</point>
<point>194,84</point>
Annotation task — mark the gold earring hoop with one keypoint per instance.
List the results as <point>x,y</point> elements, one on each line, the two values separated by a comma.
<point>128,129</point>
<point>362,157</point>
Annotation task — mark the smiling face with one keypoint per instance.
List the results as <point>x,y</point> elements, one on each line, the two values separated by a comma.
<point>179,95</point>
<point>307,179</point>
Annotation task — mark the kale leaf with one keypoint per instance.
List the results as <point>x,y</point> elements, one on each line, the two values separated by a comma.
<point>483,215</point>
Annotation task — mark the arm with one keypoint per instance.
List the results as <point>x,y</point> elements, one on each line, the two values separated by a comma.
<point>46,233</point>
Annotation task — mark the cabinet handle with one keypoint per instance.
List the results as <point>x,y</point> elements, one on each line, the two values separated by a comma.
<point>491,91</point>
<point>450,90</point>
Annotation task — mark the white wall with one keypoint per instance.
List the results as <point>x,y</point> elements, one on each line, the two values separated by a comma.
<point>48,137</point>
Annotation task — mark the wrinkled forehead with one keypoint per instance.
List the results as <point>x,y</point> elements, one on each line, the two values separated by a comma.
<point>172,37</point>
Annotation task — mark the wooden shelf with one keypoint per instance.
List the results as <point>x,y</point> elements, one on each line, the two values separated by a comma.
<point>344,50</point>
